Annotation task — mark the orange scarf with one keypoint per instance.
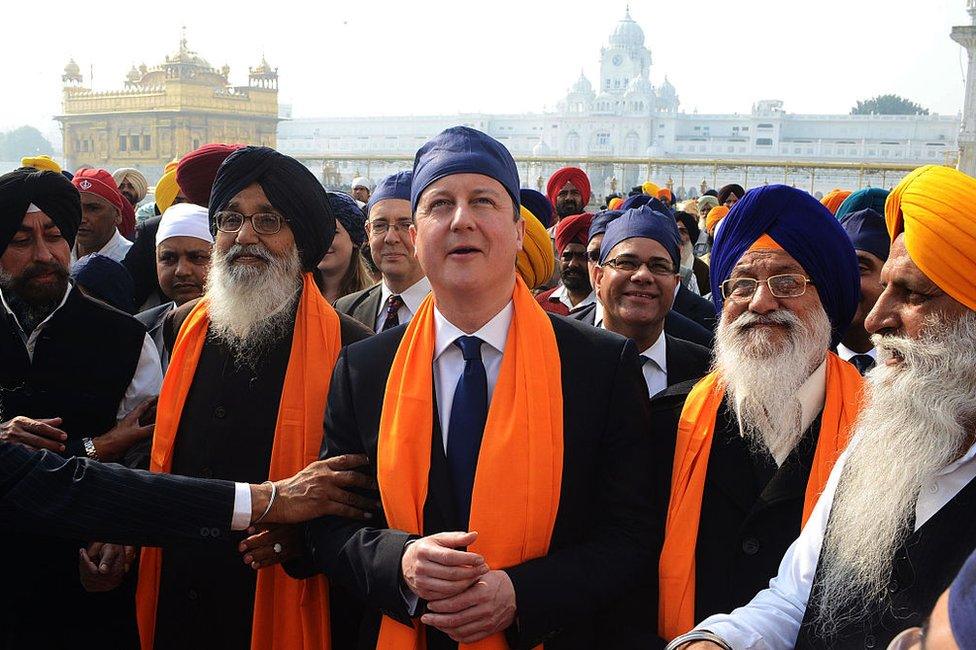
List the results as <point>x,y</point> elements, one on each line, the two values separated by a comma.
<point>521,450</point>
<point>676,613</point>
<point>288,614</point>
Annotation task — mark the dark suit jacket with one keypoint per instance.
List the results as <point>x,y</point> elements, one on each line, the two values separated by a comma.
<point>686,360</point>
<point>606,538</point>
<point>76,498</point>
<point>140,261</point>
<point>698,309</point>
<point>676,325</point>
<point>362,305</point>
<point>701,271</point>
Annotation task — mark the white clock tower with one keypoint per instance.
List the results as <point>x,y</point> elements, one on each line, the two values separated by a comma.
<point>624,58</point>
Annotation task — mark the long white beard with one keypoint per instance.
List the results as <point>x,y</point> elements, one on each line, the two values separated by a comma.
<point>249,305</point>
<point>762,378</point>
<point>917,419</point>
<point>688,255</point>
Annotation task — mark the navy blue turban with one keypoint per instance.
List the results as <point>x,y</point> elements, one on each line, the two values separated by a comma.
<point>962,605</point>
<point>538,204</point>
<point>50,191</point>
<point>647,223</point>
<point>870,197</point>
<point>807,231</point>
<point>105,279</point>
<point>600,222</point>
<point>290,187</point>
<point>868,232</point>
<point>350,215</point>
<point>639,200</point>
<point>690,223</point>
<point>396,186</point>
<point>463,150</point>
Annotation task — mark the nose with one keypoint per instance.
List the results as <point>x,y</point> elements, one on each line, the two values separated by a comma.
<point>182,268</point>
<point>246,235</point>
<point>463,218</point>
<point>884,315</point>
<point>763,301</point>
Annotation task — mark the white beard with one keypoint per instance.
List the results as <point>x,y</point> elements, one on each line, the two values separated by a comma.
<point>688,255</point>
<point>762,378</point>
<point>917,419</point>
<point>249,305</point>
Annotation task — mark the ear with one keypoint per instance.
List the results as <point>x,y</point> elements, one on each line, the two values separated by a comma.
<point>520,232</point>
<point>118,216</point>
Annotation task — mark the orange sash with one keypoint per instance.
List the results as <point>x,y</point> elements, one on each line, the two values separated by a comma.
<point>519,475</point>
<point>288,614</point>
<point>676,613</point>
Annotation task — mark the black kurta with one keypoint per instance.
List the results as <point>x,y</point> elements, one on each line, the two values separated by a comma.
<point>750,515</point>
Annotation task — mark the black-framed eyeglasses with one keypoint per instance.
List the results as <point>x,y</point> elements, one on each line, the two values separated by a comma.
<point>656,265</point>
<point>787,285</point>
<point>264,223</point>
<point>569,256</point>
<point>383,227</point>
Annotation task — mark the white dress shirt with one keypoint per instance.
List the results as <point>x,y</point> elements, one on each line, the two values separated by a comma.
<point>412,297</point>
<point>449,362</point>
<point>846,353</point>
<point>771,620</point>
<point>655,369</point>
<point>562,295</point>
<point>146,381</point>
<point>115,248</point>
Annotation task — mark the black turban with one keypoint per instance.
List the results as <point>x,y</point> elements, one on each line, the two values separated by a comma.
<point>726,191</point>
<point>690,224</point>
<point>290,187</point>
<point>350,215</point>
<point>50,191</point>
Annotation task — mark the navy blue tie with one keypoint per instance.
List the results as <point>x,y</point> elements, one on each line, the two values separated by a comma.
<point>469,411</point>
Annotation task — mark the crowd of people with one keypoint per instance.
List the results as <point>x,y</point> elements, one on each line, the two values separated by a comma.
<point>446,411</point>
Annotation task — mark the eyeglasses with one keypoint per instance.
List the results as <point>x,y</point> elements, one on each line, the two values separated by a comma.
<point>382,227</point>
<point>788,285</point>
<point>569,256</point>
<point>264,223</point>
<point>655,265</point>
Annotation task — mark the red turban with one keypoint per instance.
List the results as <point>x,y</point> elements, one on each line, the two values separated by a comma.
<point>573,175</point>
<point>100,182</point>
<point>197,170</point>
<point>573,230</point>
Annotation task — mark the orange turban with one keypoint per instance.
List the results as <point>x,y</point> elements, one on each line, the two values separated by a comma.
<point>615,203</point>
<point>536,260</point>
<point>664,194</point>
<point>834,198</point>
<point>715,215</point>
<point>933,206</point>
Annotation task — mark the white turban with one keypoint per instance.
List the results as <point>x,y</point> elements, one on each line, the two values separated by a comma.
<point>135,177</point>
<point>185,220</point>
<point>362,181</point>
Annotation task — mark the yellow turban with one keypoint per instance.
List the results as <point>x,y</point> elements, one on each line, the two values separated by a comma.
<point>934,206</point>
<point>715,215</point>
<point>171,165</point>
<point>166,190</point>
<point>536,260</point>
<point>43,163</point>
<point>615,203</point>
<point>834,198</point>
<point>650,189</point>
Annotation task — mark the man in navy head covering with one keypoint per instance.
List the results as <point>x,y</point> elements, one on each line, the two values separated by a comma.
<point>635,283</point>
<point>869,235</point>
<point>395,299</point>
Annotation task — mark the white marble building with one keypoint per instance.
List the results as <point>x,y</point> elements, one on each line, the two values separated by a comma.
<point>625,115</point>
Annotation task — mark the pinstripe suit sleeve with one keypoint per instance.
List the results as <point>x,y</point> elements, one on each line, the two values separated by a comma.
<point>41,492</point>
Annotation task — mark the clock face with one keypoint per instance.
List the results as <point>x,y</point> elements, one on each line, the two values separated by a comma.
<point>617,59</point>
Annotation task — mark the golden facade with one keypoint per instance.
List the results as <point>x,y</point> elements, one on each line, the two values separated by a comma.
<point>164,112</point>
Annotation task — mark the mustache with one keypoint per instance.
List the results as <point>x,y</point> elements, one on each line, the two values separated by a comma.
<point>779,317</point>
<point>36,269</point>
<point>255,250</point>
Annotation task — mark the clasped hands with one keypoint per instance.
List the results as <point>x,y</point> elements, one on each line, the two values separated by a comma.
<point>466,599</point>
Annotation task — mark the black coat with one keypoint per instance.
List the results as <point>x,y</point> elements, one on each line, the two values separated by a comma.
<point>698,309</point>
<point>140,262</point>
<point>606,540</point>
<point>362,305</point>
<point>675,325</point>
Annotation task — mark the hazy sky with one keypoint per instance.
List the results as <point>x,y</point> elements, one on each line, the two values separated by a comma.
<point>379,57</point>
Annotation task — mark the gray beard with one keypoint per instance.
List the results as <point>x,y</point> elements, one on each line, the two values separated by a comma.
<point>872,514</point>
<point>252,308</point>
<point>29,314</point>
<point>762,378</point>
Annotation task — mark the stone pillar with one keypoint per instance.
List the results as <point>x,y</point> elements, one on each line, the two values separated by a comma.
<point>965,35</point>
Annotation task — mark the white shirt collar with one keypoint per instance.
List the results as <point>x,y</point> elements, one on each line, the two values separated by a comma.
<point>30,340</point>
<point>562,296</point>
<point>412,296</point>
<point>115,241</point>
<point>846,353</point>
<point>494,332</point>
<point>812,395</point>
<point>658,352</point>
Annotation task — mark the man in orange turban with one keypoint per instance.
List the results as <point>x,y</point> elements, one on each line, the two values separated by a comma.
<point>894,522</point>
<point>833,199</point>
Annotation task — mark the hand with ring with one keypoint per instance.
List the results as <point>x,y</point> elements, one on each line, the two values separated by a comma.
<point>271,545</point>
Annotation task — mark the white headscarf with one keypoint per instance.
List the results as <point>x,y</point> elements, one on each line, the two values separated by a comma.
<point>185,220</point>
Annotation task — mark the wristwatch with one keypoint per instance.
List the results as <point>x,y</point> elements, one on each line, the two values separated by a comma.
<point>697,635</point>
<point>90,450</point>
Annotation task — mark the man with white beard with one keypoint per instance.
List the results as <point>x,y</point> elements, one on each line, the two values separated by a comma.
<point>754,441</point>
<point>894,523</point>
<point>244,400</point>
